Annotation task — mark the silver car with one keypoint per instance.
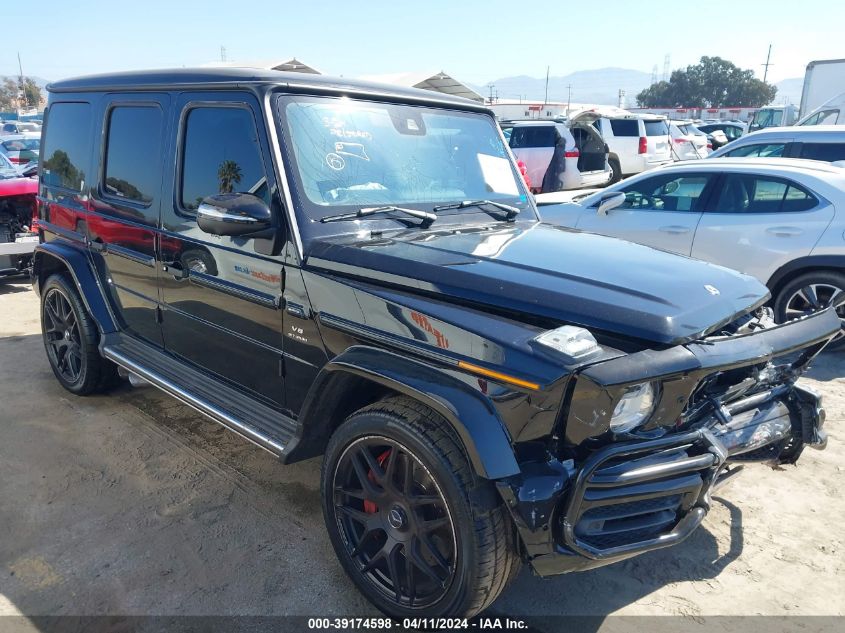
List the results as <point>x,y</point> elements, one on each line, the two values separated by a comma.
<point>817,142</point>
<point>780,220</point>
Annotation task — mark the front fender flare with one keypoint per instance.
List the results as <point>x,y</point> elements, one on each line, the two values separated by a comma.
<point>471,414</point>
<point>75,261</point>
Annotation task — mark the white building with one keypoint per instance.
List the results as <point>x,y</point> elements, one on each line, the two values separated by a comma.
<point>515,109</point>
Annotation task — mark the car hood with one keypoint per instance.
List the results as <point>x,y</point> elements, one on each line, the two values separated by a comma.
<point>559,274</point>
<point>18,186</point>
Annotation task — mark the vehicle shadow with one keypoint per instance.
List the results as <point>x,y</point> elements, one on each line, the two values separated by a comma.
<point>13,287</point>
<point>587,598</point>
<point>830,365</point>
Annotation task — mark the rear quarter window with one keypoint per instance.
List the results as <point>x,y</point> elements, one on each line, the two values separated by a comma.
<point>625,127</point>
<point>656,128</point>
<point>823,151</point>
<point>67,145</point>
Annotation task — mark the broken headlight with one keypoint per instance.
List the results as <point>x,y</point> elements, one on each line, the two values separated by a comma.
<point>634,407</point>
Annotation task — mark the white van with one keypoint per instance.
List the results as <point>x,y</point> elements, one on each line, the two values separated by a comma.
<point>831,112</point>
<point>636,141</point>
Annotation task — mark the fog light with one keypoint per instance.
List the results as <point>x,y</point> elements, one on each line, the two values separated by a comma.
<point>633,408</point>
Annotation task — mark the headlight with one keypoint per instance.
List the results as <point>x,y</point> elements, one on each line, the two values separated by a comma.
<point>636,405</point>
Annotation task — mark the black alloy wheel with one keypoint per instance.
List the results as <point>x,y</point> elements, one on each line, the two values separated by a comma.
<point>70,339</point>
<point>416,529</point>
<point>62,336</point>
<point>395,522</point>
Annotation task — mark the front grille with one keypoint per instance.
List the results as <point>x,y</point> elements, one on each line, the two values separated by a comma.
<point>641,495</point>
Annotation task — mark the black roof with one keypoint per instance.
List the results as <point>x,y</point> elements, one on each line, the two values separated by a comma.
<point>233,77</point>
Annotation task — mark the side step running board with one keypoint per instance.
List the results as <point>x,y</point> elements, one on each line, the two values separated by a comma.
<point>262,425</point>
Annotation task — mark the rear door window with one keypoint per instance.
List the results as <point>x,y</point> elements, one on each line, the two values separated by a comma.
<point>823,151</point>
<point>742,193</point>
<point>67,146</point>
<point>133,153</point>
<point>625,127</point>
<point>533,136</point>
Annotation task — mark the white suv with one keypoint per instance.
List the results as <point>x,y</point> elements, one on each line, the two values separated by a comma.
<point>780,220</point>
<point>637,142</point>
<point>559,156</point>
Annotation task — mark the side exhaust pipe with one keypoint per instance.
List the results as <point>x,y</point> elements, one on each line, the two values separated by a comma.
<point>134,379</point>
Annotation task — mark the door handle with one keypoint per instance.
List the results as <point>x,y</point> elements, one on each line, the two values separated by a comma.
<point>785,231</point>
<point>175,269</point>
<point>675,229</point>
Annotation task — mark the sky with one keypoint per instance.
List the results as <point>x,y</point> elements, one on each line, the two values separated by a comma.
<point>474,41</point>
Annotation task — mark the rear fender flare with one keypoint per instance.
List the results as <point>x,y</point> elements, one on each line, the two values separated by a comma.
<point>470,413</point>
<point>52,256</point>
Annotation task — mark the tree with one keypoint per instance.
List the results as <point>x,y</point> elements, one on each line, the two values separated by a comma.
<point>10,93</point>
<point>712,83</point>
<point>229,174</point>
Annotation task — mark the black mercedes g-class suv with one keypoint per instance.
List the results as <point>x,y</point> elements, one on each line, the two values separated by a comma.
<point>347,269</point>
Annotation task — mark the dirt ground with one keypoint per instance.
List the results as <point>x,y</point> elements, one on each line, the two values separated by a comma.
<point>134,504</point>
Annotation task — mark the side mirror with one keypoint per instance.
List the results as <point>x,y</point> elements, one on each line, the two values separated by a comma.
<point>234,214</point>
<point>610,201</point>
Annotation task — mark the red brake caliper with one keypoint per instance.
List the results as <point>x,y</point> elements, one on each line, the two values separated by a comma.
<point>370,507</point>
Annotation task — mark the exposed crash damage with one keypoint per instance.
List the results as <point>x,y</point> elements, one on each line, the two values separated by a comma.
<point>17,207</point>
<point>727,399</point>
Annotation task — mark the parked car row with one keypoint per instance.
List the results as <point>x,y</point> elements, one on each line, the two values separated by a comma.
<point>591,148</point>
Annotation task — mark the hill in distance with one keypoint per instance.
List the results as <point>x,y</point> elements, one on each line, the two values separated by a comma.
<point>600,86</point>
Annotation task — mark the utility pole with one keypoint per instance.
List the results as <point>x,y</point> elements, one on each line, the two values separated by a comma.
<point>546,99</point>
<point>622,98</point>
<point>23,101</point>
<point>767,64</point>
<point>568,98</point>
<point>222,53</point>
<point>491,86</point>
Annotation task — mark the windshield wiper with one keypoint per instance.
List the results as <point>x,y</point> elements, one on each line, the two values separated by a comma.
<point>512,212</point>
<point>426,216</point>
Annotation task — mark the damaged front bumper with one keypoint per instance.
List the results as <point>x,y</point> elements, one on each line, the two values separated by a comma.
<point>638,495</point>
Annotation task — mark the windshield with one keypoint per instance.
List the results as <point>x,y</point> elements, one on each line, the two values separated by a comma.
<point>349,154</point>
<point>17,145</point>
<point>7,169</point>
<point>768,118</point>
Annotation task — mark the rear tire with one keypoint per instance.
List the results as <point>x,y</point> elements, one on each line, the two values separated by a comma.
<point>379,523</point>
<point>70,340</point>
<point>616,168</point>
<point>810,292</point>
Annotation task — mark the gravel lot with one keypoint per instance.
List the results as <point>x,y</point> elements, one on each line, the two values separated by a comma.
<point>134,504</point>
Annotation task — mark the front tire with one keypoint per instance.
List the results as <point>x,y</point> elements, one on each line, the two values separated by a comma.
<point>70,340</point>
<point>403,511</point>
<point>810,292</point>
